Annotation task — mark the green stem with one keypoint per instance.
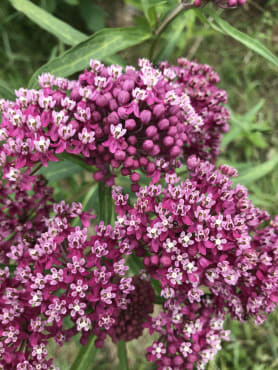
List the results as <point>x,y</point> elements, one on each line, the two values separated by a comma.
<point>85,357</point>
<point>183,6</point>
<point>36,169</point>
<point>122,355</point>
<point>105,203</point>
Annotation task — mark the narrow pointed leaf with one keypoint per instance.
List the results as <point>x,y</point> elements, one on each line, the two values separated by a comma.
<point>86,356</point>
<point>48,22</point>
<point>103,43</point>
<point>246,40</point>
<point>135,264</point>
<point>149,9</point>
<point>172,39</point>
<point>58,28</point>
<point>76,160</point>
<point>89,197</point>
<point>257,172</point>
<point>61,170</point>
<point>106,204</point>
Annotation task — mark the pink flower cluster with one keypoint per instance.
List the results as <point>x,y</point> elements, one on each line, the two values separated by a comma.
<point>55,271</point>
<point>189,333</point>
<point>211,252</point>
<point>140,306</point>
<point>221,3</point>
<point>201,239</point>
<point>143,119</point>
<point>22,214</point>
<point>196,237</point>
<point>199,83</point>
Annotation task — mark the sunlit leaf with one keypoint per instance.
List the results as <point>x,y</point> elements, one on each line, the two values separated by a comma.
<point>103,43</point>
<point>48,22</point>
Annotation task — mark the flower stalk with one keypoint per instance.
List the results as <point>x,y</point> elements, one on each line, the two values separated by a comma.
<point>105,203</point>
<point>183,6</point>
<point>122,355</point>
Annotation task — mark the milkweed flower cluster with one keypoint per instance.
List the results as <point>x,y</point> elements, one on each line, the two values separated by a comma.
<point>21,214</point>
<point>211,252</point>
<point>114,119</point>
<point>199,83</point>
<point>55,271</point>
<point>140,306</point>
<point>198,236</point>
<point>189,334</point>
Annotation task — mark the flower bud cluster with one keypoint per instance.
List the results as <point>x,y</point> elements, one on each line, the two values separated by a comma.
<point>199,82</point>
<point>140,306</point>
<point>113,119</point>
<point>221,3</point>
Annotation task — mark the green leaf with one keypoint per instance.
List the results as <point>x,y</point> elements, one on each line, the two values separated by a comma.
<point>48,22</point>
<point>258,140</point>
<point>157,286</point>
<point>72,2</point>
<point>252,113</point>
<point>149,9</point>
<point>61,170</point>
<point>256,172</point>
<point>77,160</point>
<point>89,197</point>
<point>103,43</point>
<point>93,15</point>
<point>159,300</point>
<point>106,204</point>
<point>115,59</point>
<point>172,39</point>
<point>246,40</point>
<point>207,21</point>
<point>86,356</point>
<point>48,5</point>
<point>242,124</point>
<point>5,91</point>
<point>11,267</point>
<point>135,264</point>
<point>122,355</point>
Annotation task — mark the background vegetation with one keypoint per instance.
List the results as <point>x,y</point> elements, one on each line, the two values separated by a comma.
<point>250,146</point>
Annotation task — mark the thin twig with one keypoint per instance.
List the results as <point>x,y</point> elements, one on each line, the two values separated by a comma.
<point>183,6</point>
<point>194,47</point>
<point>36,169</point>
<point>179,9</point>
